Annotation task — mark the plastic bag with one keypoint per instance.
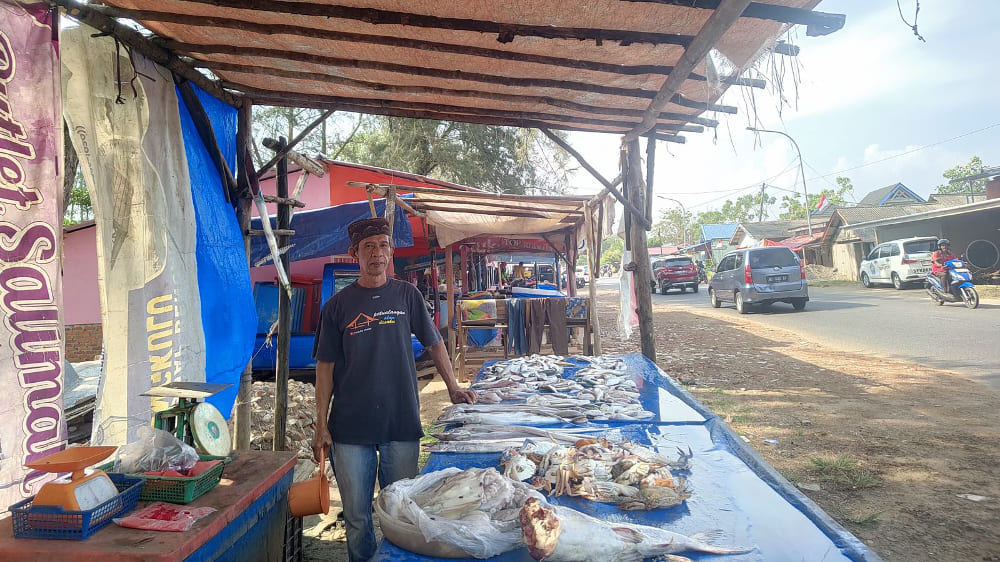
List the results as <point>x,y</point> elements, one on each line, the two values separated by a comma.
<point>155,451</point>
<point>161,516</point>
<point>489,529</point>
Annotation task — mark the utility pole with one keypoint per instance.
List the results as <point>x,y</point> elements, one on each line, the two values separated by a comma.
<point>802,171</point>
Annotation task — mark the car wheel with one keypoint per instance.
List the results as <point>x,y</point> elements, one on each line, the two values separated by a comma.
<point>896,281</point>
<point>713,298</point>
<point>664,289</point>
<point>695,289</point>
<point>741,306</point>
<point>799,304</point>
<point>683,289</point>
<point>865,281</point>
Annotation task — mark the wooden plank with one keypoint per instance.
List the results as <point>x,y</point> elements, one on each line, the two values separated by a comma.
<point>449,309</point>
<point>592,253</point>
<point>244,128</point>
<point>284,98</point>
<point>261,66</point>
<point>650,160</point>
<point>429,46</point>
<point>284,337</point>
<point>456,209</point>
<point>494,206</point>
<point>640,254</point>
<point>718,23</point>
<point>506,32</point>
<point>818,23</point>
<point>284,201</point>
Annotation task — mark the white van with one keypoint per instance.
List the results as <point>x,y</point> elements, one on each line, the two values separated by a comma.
<point>898,262</point>
<point>582,275</point>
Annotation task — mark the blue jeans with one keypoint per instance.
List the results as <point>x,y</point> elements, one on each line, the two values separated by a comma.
<point>355,468</point>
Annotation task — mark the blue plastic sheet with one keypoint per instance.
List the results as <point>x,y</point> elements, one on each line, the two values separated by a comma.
<point>322,233</point>
<point>228,317</point>
<point>735,491</point>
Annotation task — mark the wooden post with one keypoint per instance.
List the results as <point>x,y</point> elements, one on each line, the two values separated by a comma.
<point>449,307</point>
<point>244,394</point>
<point>390,209</point>
<point>571,251</point>
<point>643,274</point>
<point>284,313</point>
<point>590,232</point>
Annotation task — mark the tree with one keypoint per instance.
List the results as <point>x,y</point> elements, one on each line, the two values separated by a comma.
<point>670,227</point>
<point>793,208</point>
<point>974,167</point>
<point>498,159</point>
<point>611,251</point>
<point>77,206</point>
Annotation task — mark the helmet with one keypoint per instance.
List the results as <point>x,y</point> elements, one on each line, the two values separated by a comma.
<point>944,241</point>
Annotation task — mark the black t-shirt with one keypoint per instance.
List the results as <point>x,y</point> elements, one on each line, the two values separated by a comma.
<point>365,333</point>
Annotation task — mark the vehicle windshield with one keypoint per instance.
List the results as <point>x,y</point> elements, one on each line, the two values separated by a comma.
<point>678,262</point>
<point>772,257</point>
<point>919,247</point>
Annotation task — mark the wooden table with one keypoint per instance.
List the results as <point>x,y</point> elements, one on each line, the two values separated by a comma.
<point>252,503</point>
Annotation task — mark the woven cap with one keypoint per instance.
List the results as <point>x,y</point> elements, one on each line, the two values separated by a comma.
<point>359,230</point>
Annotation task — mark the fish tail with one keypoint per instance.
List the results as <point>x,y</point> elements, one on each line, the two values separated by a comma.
<point>700,542</point>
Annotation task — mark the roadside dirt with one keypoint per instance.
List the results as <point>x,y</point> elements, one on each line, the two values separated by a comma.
<point>902,455</point>
<point>892,450</point>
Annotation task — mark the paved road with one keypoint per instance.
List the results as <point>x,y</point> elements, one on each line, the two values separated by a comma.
<point>901,324</point>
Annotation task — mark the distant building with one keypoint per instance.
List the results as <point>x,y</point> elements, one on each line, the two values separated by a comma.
<point>895,194</point>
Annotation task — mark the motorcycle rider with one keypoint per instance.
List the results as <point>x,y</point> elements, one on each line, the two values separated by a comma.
<point>938,261</point>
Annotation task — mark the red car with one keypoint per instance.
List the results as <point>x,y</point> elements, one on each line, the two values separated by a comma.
<point>674,272</point>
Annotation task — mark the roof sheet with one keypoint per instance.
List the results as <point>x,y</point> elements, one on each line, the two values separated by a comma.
<point>718,231</point>
<point>538,63</point>
<point>774,230</point>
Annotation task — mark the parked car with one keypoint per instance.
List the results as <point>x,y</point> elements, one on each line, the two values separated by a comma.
<point>899,262</point>
<point>759,276</point>
<point>582,275</point>
<point>675,272</point>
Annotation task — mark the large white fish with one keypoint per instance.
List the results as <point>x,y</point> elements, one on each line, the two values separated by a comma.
<point>560,534</point>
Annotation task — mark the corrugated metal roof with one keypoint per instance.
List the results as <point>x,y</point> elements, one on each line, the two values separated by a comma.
<point>879,196</point>
<point>718,231</point>
<point>774,230</point>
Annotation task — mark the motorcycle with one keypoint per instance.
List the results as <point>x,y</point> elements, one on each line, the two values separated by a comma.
<point>960,287</point>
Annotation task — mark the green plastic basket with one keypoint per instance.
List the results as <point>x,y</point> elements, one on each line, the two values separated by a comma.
<point>172,489</point>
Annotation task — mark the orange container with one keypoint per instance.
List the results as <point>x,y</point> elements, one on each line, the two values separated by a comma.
<point>311,496</point>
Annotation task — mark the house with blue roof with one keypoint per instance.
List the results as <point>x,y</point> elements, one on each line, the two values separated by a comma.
<point>895,194</point>
<point>714,241</point>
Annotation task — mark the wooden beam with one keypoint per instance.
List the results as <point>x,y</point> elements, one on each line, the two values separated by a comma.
<point>87,14</point>
<point>409,43</point>
<point>450,110</point>
<point>650,159</point>
<point>640,254</point>
<point>474,211</point>
<point>258,66</point>
<point>505,31</point>
<point>285,98</point>
<point>284,337</point>
<point>629,208</point>
<point>244,130</point>
<point>497,207</point>
<point>592,254</point>
<point>817,23</point>
<point>718,23</point>
<point>449,276</point>
<point>279,154</point>
<point>564,199</point>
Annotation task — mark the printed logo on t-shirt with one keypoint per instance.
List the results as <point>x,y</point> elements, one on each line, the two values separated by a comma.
<point>365,323</point>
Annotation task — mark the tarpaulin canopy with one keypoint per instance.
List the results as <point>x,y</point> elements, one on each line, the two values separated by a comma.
<point>795,242</point>
<point>321,233</point>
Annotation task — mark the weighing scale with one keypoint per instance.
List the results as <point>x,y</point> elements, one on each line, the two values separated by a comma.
<point>82,491</point>
<point>196,423</point>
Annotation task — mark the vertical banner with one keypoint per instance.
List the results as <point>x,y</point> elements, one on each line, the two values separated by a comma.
<point>126,127</point>
<point>31,331</point>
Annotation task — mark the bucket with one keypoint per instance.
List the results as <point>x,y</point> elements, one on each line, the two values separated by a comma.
<point>311,496</point>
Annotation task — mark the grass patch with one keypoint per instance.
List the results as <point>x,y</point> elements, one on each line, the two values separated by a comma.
<point>866,519</point>
<point>845,472</point>
<point>741,419</point>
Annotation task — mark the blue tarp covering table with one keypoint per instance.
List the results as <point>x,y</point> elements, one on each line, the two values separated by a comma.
<point>735,491</point>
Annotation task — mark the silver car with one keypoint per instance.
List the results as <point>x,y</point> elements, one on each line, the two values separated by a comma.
<point>759,276</point>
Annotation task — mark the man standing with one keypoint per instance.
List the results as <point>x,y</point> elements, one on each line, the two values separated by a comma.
<point>364,363</point>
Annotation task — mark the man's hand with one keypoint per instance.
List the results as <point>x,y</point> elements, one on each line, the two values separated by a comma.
<point>459,396</point>
<point>322,442</point>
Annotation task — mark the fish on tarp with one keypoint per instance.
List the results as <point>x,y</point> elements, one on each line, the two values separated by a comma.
<point>560,534</point>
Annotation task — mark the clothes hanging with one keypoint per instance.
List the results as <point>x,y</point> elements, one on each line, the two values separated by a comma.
<point>516,338</point>
<point>551,311</point>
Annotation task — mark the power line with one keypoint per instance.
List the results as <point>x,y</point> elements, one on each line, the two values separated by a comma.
<point>919,148</point>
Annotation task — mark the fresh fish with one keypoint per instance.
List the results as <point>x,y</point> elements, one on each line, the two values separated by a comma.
<point>562,534</point>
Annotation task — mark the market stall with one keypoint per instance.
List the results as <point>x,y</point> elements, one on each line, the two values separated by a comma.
<point>729,489</point>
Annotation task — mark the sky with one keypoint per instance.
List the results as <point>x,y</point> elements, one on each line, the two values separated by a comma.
<point>875,104</point>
